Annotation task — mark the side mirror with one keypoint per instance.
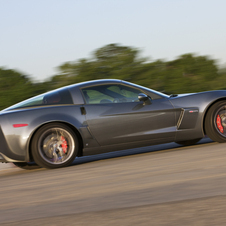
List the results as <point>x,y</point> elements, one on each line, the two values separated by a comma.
<point>143,97</point>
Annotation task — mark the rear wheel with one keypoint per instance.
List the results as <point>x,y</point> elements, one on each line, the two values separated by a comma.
<point>54,145</point>
<point>215,122</point>
<point>26,165</point>
<point>188,142</point>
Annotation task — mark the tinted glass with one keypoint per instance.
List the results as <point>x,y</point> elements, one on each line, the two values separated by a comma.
<point>52,98</point>
<point>110,94</point>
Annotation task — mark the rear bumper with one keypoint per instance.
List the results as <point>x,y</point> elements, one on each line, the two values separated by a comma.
<point>4,149</point>
<point>6,155</point>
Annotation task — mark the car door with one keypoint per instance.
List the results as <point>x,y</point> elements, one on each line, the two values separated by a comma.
<point>116,116</point>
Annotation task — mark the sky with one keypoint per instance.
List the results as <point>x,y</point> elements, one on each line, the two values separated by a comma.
<point>38,36</point>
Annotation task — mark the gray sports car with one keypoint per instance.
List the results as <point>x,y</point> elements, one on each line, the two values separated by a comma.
<point>102,116</point>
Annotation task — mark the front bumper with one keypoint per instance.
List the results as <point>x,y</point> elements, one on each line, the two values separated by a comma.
<point>2,159</point>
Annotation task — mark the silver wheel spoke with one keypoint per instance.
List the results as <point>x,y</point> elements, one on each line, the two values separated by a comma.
<point>55,156</point>
<point>56,145</point>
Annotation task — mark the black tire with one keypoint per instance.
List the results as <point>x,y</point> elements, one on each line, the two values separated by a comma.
<point>188,142</point>
<point>54,145</point>
<point>26,165</point>
<point>214,130</point>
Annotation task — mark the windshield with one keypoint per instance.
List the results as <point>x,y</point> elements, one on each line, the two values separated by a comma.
<point>155,94</point>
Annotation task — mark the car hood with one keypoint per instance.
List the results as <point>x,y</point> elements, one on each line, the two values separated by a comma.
<point>185,94</point>
<point>205,93</point>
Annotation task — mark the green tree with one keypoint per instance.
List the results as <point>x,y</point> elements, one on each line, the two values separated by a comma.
<point>15,87</point>
<point>188,73</point>
<point>111,61</point>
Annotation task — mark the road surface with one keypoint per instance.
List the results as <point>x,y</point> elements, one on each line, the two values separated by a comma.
<point>159,185</point>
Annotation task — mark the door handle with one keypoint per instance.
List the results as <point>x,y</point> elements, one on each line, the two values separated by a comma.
<point>83,110</point>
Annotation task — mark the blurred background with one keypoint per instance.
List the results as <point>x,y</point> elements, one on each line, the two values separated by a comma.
<point>171,46</point>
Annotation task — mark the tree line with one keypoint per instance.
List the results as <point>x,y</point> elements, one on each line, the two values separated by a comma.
<point>188,73</point>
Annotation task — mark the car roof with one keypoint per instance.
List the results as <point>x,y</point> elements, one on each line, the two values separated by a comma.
<point>94,82</point>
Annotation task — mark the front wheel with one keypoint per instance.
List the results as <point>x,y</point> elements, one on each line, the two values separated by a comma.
<point>54,145</point>
<point>215,122</point>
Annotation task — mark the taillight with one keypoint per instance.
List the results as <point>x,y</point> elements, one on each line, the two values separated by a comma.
<point>19,125</point>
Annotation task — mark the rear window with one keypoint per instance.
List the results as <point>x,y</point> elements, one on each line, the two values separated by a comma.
<point>60,97</point>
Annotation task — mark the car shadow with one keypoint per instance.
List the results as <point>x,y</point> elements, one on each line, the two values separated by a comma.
<point>13,170</point>
<point>135,151</point>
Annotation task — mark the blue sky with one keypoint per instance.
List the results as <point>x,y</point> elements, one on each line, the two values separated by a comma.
<point>38,36</point>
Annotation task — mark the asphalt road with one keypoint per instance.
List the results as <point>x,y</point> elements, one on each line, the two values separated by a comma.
<point>159,185</point>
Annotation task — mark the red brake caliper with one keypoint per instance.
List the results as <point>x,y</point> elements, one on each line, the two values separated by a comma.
<point>219,125</point>
<point>64,144</point>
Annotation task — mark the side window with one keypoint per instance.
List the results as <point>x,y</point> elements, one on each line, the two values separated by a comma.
<point>60,97</point>
<point>110,94</point>
<point>128,94</point>
<point>95,96</point>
